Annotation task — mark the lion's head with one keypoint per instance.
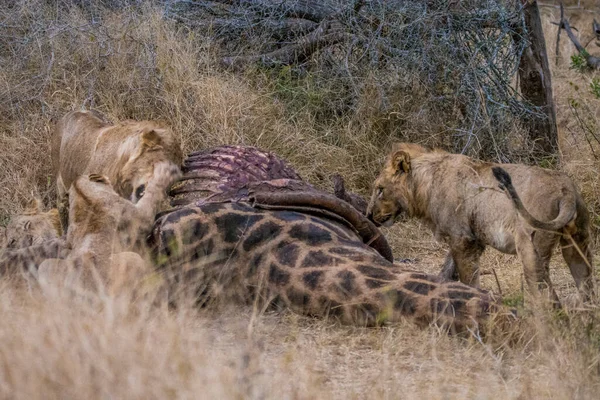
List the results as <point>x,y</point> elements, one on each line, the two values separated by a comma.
<point>392,191</point>
<point>32,227</point>
<point>153,145</point>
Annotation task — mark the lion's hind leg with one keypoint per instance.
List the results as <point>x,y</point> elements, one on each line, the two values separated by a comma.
<point>577,253</point>
<point>449,271</point>
<point>124,270</point>
<point>536,266</point>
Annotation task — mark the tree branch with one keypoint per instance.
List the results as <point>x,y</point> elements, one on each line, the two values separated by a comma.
<point>592,61</point>
<point>290,54</point>
<point>293,53</point>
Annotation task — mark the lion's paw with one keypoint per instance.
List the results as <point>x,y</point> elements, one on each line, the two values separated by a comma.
<point>165,173</point>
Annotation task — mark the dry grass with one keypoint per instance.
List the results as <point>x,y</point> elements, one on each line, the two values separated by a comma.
<point>130,63</point>
<point>59,346</point>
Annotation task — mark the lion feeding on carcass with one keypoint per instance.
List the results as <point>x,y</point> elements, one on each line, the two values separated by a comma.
<point>126,153</point>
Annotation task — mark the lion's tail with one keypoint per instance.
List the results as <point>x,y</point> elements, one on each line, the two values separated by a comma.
<point>565,215</point>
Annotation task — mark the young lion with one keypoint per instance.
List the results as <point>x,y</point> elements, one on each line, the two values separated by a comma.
<point>107,232</point>
<point>126,153</point>
<point>32,227</point>
<point>457,197</point>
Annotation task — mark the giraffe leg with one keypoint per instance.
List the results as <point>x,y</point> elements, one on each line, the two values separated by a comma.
<point>372,292</point>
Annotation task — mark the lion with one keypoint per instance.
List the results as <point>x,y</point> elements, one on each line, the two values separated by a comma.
<point>32,227</point>
<point>126,153</point>
<point>107,233</point>
<point>458,198</point>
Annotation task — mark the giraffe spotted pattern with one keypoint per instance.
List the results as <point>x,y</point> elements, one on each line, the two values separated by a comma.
<point>313,265</point>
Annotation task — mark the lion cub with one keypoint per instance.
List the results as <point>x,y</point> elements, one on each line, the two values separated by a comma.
<point>126,153</point>
<point>457,197</point>
<point>31,228</point>
<point>107,232</point>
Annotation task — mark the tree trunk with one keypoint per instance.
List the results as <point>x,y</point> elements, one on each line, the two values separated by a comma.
<point>536,84</point>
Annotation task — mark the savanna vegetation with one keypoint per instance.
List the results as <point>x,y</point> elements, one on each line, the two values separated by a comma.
<point>391,74</point>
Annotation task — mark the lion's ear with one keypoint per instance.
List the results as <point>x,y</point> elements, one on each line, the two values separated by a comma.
<point>401,162</point>
<point>99,179</point>
<point>54,217</point>
<point>34,206</point>
<point>151,140</point>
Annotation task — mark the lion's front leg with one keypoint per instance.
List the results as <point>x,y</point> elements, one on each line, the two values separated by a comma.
<point>62,204</point>
<point>466,251</point>
<point>63,211</point>
<point>449,271</point>
<point>165,174</point>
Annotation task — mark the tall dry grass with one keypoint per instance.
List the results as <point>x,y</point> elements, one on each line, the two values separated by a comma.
<point>127,61</point>
<point>59,345</point>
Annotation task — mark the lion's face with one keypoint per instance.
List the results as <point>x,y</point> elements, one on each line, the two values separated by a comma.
<point>133,179</point>
<point>383,209</point>
<point>31,228</point>
<point>391,192</point>
<point>387,202</point>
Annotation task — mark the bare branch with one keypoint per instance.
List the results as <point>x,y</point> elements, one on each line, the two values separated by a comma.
<point>293,53</point>
<point>592,61</point>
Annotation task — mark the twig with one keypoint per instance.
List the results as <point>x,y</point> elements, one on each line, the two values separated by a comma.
<point>497,281</point>
<point>562,16</point>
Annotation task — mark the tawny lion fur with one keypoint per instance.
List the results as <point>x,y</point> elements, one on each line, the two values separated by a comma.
<point>458,198</point>
<point>107,233</point>
<point>32,227</point>
<point>84,143</point>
